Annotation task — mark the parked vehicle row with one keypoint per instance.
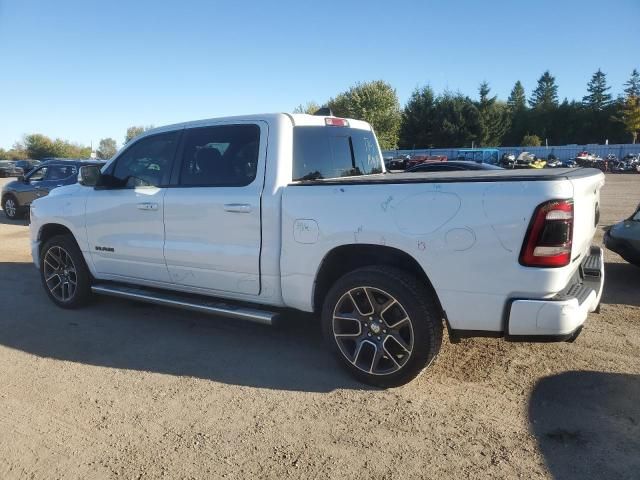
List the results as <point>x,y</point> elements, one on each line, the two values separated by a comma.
<point>277,211</point>
<point>523,160</point>
<point>629,164</point>
<point>17,196</point>
<point>485,156</point>
<point>15,168</point>
<point>9,168</point>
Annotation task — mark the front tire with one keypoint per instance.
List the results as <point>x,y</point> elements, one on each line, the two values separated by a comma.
<point>10,207</point>
<point>64,273</point>
<point>383,324</point>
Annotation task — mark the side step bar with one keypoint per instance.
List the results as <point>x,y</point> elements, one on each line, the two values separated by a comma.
<point>186,302</point>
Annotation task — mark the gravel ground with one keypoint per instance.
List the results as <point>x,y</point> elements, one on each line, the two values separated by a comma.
<point>124,390</point>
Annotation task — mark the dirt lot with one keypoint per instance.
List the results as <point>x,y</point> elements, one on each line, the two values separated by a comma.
<point>123,390</point>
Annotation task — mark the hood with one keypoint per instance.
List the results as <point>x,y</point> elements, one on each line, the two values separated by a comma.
<point>10,186</point>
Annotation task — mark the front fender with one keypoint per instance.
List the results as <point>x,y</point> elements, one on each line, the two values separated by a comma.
<point>64,207</point>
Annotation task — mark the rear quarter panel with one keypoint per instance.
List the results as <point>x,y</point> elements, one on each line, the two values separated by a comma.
<point>466,236</point>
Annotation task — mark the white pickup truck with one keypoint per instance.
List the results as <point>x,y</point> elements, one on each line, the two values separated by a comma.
<point>246,216</point>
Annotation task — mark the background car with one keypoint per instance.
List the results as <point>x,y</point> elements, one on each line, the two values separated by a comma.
<point>18,195</point>
<point>624,238</point>
<point>553,162</point>
<point>508,160</point>
<point>455,165</point>
<point>8,168</point>
<point>419,159</point>
<point>397,163</point>
<point>27,165</point>
<point>529,160</point>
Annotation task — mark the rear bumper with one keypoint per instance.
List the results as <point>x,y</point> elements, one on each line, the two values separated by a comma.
<point>561,317</point>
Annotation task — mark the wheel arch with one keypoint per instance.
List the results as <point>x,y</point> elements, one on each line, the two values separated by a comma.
<point>50,230</point>
<point>345,258</point>
<point>7,195</point>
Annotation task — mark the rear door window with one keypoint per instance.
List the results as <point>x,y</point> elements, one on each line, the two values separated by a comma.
<point>332,152</point>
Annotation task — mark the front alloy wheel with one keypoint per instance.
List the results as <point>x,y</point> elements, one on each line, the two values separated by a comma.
<point>60,275</point>
<point>10,208</point>
<point>64,273</point>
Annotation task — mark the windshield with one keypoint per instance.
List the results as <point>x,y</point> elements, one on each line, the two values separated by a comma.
<point>330,152</point>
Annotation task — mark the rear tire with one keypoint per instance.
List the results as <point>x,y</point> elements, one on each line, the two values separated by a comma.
<point>64,273</point>
<point>383,325</point>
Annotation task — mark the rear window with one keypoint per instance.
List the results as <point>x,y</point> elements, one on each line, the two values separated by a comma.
<point>331,152</point>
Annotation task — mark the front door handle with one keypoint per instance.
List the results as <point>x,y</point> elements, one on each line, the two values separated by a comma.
<point>237,207</point>
<point>147,206</point>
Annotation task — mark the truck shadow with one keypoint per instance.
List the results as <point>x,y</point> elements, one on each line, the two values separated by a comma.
<point>127,335</point>
<point>587,424</point>
<point>621,284</point>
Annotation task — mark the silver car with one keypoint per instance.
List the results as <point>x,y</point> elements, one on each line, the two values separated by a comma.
<point>17,195</point>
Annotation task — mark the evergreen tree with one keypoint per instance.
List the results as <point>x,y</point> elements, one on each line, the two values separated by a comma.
<point>456,121</point>
<point>598,97</point>
<point>417,119</point>
<point>494,117</point>
<point>517,105</point>
<point>517,100</point>
<point>545,96</point>
<point>633,85</point>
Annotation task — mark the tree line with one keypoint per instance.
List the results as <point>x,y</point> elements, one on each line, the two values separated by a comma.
<point>37,146</point>
<point>430,120</point>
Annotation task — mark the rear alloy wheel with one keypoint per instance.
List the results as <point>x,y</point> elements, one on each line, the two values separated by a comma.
<point>64,273</point>
<point>10,207</point>
<point>383,324</point>
<point>372,330</point>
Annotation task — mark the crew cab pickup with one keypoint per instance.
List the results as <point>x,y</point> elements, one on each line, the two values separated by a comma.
<point>247,216</point>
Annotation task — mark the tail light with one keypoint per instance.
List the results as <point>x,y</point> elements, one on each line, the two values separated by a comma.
<point>548,239</point>
<point>336,122</point>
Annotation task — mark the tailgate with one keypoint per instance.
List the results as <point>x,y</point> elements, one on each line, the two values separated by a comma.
<point>586,197</point>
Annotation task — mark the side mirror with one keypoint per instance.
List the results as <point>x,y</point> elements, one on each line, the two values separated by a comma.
<point>89,175</point>
<point>21,179</point>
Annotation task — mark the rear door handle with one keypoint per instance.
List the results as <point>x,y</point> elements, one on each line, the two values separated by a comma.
<point>237,207</point>
<point>147,206</point>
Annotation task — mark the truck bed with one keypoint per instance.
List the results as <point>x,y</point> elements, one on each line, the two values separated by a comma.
<point>460,176</point>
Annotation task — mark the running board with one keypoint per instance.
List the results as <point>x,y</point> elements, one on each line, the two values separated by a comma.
<point>186,302</point>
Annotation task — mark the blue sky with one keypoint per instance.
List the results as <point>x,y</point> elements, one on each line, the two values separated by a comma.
<point>84,70</point>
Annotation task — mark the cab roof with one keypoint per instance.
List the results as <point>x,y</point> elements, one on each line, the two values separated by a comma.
<point>296,119</point>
